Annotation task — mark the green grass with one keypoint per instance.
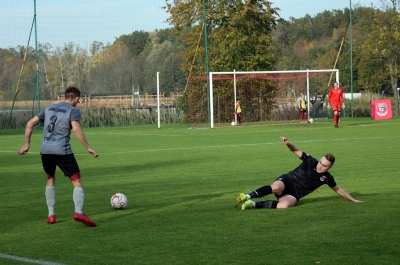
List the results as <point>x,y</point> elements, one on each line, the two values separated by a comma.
<point>181,185</point>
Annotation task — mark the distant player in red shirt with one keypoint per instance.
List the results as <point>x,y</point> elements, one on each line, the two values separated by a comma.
<point>334,99</point>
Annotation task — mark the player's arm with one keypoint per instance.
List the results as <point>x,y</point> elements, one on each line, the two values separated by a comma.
<point>76,128</point>
<point>329,99</point>
<point>344,194</point>
<point>342,98</point>
<point>292,147</point>
<point>28,133</point>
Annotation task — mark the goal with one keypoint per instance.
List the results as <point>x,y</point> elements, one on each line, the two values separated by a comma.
<point>214,101</point>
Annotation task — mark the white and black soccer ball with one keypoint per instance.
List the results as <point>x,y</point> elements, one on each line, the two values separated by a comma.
<point>311,120</point>
<point>119,201</point>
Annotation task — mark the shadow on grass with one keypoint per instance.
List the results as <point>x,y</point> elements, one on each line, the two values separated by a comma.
<point>356,195</point>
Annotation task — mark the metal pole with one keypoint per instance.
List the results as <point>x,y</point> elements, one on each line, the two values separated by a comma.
<point>212,99</point>
<point>308,96</point>
<point>37,87</point>
<point>234,95</point>
<point>351,62</point>
<point>158,99</point>
<point>207,63</point>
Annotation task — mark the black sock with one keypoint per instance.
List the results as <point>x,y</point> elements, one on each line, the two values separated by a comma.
<point>266,204</point>
<point>261,192</point>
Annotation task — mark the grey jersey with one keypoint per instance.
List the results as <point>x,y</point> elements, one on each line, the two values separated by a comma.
<point>57,128</point>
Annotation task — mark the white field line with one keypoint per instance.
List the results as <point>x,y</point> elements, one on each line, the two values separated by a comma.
<point>26,260</point>
<point>223,146</point>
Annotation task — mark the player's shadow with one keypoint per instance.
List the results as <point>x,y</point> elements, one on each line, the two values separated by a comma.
<point>356,195</point>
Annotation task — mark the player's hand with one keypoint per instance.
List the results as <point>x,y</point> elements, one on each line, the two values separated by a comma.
<point>24,149</point>
<point>92,152</point>
<point>329,106</point>
<point>343,106</point>
<point>284,140</point>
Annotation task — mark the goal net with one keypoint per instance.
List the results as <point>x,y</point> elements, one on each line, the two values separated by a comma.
<point>263,95</point>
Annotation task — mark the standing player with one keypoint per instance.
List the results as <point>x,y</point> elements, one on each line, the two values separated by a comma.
<point>238,112</point>
<point>56,150</point>
<point>294,185</point>
<point>302,109</point>
<point>334,99</point>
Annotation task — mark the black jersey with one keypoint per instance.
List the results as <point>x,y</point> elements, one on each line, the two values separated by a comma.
<point>305,179</point>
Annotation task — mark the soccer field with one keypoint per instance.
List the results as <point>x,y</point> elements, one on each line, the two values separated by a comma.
<point>182,185</point>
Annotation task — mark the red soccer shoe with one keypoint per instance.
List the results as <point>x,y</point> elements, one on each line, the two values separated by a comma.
<point>80,217</point>
<point>52,219</point>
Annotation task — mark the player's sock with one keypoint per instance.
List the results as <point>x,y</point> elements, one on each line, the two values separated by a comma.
<point>50,198</point>
<point>79,197</point>
<point>266,204</point>
<point>261,192</point>
<point>335,119</point>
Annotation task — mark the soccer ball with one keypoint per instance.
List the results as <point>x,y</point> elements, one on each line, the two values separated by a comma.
<point>119,201</point>
<point>311,120</point>
<point>233,123</point>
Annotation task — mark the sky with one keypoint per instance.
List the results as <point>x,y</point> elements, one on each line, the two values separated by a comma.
<point>85,21</point>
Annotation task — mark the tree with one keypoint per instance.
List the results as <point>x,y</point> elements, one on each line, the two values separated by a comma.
<point>381,46</point>
<point>239,34</point>
<point>136,41</point>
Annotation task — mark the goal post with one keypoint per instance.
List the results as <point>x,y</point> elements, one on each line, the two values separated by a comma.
<point>267,75</point>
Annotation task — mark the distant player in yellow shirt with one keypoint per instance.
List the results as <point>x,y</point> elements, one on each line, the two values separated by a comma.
<point>238,112</point>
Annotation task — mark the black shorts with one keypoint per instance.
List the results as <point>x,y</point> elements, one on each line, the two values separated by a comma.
<point>290,189</point>
<point>67,164</point>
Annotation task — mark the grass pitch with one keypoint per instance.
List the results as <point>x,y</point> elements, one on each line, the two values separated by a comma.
<point>181,185</point>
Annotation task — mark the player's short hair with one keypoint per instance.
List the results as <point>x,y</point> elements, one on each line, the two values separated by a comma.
<point>330,158</point>
<point>72,92</point>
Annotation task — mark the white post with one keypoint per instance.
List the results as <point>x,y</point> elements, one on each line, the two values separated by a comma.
<point>211,100</point>
<point>158,99</point>
<point>234,94</point>
<point>308,96</point>
<point>337,77</point>
<point>133,97</point>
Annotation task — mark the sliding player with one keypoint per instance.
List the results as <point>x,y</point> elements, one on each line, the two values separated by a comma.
<point>294,185</point>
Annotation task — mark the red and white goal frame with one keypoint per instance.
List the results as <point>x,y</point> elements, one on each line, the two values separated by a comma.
<point>253,73</point>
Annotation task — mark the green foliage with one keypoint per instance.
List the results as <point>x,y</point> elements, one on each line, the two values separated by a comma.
<point>136,41</point>
<point>238,33</point>
<point>181,185</point>
<point>381,49</point>
<point>116,117</point>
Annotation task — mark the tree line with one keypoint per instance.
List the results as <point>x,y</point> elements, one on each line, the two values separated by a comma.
<point>245,36</point>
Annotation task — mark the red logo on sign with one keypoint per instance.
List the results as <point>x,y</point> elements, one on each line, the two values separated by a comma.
<point>381,109</point>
